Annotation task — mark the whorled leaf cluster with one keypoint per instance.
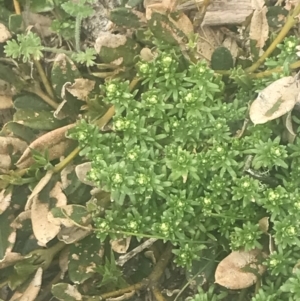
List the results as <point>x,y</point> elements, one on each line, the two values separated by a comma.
<point>177,169</point>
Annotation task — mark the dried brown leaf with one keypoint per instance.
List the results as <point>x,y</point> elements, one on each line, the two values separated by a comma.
<point>7,143</point>
<point>44,230</point>
<point>4,33</point>
<point>264,224</point>
<point>81,172</point>
<point>63,261</point>
<point>38,188</point>
<point>182,22</point>
<point>6,102</point>
<point>120,245</point>
<point>257,4</point>
<point>41,23</point>
<point>66,221</point>
<point>10,259</point>
<point>125,296</point>
<point>11,242</point>
<point>5,198</point>
<point>209,39</point>
<point>109,40</point>
<point>290,134</point>
<point>55,142</point>
<point>72,234</point>
<point>275,100</point>
<point>259,27</point>
<point>146,54</point>
<point>34,287</point>
<point>231,271</point>
<point>10,146</point>
<point>231,44</point>
<point>150,2</point>
<point>81,88</point>
<point>64,176</point>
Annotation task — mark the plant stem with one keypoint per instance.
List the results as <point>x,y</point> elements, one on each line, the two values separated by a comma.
<point>44,78</point>
<point>263,74</point>
<point>17,7</point>
<point>56,50</point>
<point>290,22</point>
<point>38,91</point>
<point>77,33</point>
<point>151,281</point>
<point>267,73</point>
<point>61,165</point>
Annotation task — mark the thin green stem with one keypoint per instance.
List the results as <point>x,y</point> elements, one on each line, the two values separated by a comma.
<point>56,50</point>
<point>267,73</point>
<point>290,22</point>
<point>44,78</point>
<point>77,32</point>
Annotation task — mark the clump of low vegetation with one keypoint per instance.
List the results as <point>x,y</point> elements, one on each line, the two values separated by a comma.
<point>194,161</point>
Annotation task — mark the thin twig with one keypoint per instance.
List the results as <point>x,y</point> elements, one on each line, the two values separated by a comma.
<point>124,258</point>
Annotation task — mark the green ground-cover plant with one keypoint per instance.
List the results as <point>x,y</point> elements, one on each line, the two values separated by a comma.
<point>177,170</point>
<point>179,162</point>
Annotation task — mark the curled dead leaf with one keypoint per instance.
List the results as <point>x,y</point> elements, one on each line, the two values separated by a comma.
<point>65,181</point>
<point>289,133</point>
<point>239,269</point>
<point>120,245</point>
<point>55,142</point>
<point>75,221</point>
<point>264,224</point>
<point>10,146</point>
<point>81,88</point>
<point>259,27</point>
<point>146,54</point>
<point>81,172</point>
<point>109,40</point>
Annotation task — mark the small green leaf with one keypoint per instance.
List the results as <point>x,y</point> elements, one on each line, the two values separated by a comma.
<point>127,17</point>
<point>42,120</point>
<point>76,213</point>
<point>66,292</point>
<point>5,231</point>
<point>31,101</point>
<point>41,6</point>
<point>19,130</point>
<point>84,256</point>
<point>221,59</point>
<point>15,23</point>
<point>275,16</point>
